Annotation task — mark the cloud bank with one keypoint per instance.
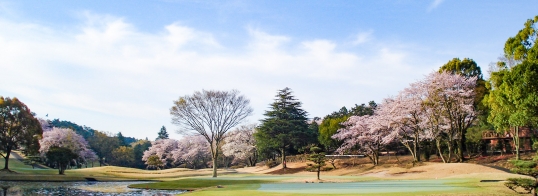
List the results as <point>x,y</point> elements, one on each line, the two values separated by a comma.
<point>105,73</point>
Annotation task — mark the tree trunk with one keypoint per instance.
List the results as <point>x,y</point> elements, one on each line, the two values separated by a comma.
<point>516,142</point>
<point>438,144</point>
<point>449,146</point>
<point>215,161</point>
<point>250,161</point>
<point>8,152</point>
<point>457,151</point>
<point>283,158</point>
<point>60,168</point>
<point>417,148</point>
<point>461,144</point>
<point>413,152</point>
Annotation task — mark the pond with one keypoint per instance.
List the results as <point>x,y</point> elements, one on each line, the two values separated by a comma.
<point>371,187</point>
<point>78,188</point>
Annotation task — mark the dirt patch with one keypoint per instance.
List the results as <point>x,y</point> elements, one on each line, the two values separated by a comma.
<point>293,168</point>
<point>287,170</point>
<point>439,171</point>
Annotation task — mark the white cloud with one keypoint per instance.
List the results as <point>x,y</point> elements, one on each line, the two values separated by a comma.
<point>108,75</point>
<point>434,5</point>
<point>363,37</point>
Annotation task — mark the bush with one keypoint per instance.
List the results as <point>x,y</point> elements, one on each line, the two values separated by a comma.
<point>525,183</point>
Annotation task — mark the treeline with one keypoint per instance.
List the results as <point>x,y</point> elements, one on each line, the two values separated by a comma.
<point>102,147</point>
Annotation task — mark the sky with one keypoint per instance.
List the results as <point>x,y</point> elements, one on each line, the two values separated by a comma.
<point>117,66</point>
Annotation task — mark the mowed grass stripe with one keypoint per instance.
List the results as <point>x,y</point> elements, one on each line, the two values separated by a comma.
<point>198,183</point>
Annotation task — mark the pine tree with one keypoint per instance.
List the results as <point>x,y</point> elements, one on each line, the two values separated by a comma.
<point>527,168</point>
<point>162,133</point>
<point>318,158</point>
<point>285,126</point>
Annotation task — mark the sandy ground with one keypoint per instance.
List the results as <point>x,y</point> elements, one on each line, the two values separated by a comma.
<point>424,171</point>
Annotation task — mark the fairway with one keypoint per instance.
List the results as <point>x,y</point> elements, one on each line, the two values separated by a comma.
<point>392,186</point>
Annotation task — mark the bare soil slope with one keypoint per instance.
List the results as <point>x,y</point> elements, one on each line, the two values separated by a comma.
<point>428,170</point>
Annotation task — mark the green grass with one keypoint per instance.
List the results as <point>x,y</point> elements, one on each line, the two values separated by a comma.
<point>233,184</point>
<point>107,173</point>
<point>199,183</point>
<point>251,184</point>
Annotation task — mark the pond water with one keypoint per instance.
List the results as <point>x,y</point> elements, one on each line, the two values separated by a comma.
<point>78,188</point>
<point>371,187</point>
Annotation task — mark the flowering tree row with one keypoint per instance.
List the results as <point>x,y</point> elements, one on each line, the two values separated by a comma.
<point>194,151</point>
<point>438,109</point>
<point>241,145</point>
<point>190,150</point>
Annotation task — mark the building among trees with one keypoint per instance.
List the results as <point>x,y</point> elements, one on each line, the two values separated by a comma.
<point>500,141</point>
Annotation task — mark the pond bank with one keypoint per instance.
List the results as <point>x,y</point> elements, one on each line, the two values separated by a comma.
<point>59,178</point>
<point>79,188</point>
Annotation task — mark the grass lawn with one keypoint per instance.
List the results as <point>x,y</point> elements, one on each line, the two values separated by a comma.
<point>273,186</point>
<point>106,173</point>
<point>208,187</point>
<point>231,183</point>
<point>199,183</point>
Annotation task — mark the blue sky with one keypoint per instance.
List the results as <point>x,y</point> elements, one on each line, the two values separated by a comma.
<point>118,65</point>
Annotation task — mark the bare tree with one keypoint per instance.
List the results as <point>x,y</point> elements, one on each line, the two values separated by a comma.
<point>210,114</point>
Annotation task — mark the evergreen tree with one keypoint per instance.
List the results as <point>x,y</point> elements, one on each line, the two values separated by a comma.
<point>121,139</point>
<point>527,168</point>
<point>318,158</point>
<point>138,149</point>
<point>84,131</point>
<point>162,133</point>
<point>285,126</point>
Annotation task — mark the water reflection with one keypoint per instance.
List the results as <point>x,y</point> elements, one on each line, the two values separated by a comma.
<point>77,188</point>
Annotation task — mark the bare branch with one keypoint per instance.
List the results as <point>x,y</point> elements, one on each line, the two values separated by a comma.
<point>210,114</point>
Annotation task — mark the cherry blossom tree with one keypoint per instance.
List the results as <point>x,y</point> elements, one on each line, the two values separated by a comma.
<point>241,144</point>
<point>163,149</point>
<point>89,156</point>
<point>192,150</point>
<point>66,138</point>
<point>452,96</point>
<point>45,125</point>
<point>364,133</point>
<point>404,116</point>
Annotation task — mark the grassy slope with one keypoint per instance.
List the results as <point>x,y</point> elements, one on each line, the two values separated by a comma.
<point>107,173</point>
